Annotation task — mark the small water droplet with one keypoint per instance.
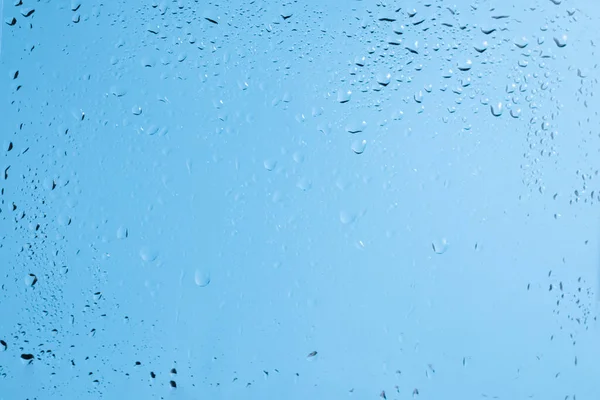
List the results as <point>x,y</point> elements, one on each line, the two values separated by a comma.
<point>397,115</point>
<point>118,91</point>
<point>440,246</point>
<point>347,217</point>
<point>122,233</point>
<point>298,157</point>
<point>304,184</point>
<point>201,278</point>
<point>270,164</point>
<point>148,254</point>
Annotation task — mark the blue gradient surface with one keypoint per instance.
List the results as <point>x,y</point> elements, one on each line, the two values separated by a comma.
<point>300,200</point>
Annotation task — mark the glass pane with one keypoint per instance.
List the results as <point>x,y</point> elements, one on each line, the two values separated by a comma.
<point>299,200</point>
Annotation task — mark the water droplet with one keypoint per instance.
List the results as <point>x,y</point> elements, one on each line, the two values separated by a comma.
<point>358,146</point>
<point>270,164</point>
<point>30,280</point>
<point>347,217</point>
<point>418,96</point>
<point>344,96</point>
<point>384,79</point>
<point>122,233</point>
<point>304,184</point>
<point>521,42</point>
<point>149,130</point>
<point>561,41</point>
<point>488,30</point>
<point>154,29</point>
<point>397,115</point>
<point>481,47</point>
<point>497,109</point>
<point>515,112</point>
<point>465,66</point>
<point>439,246</point>
<point>75,4</point>
<point>148,254</point>
<point>360,61</point>
<point>27,11</point>
<point>118,91</point>
<point>298,157</point>
<point>356,127</point>
<point>201,278</point>
<point>136,110</point>
<point>414,47</point>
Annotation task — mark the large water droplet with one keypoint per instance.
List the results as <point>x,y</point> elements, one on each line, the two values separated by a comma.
<point>384,79</point>
<point>465,66</point>
<point>356,127</point>
<point>358,146</point>
<point>30,280</point>
<point>344,96</point>
<point>481,47</point>
<point>521,42</point>
<point>419,96</point>
<point>497,109</point>
<point>561,41</point>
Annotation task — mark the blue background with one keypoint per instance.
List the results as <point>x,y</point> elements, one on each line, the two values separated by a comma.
<point>193,170</point>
